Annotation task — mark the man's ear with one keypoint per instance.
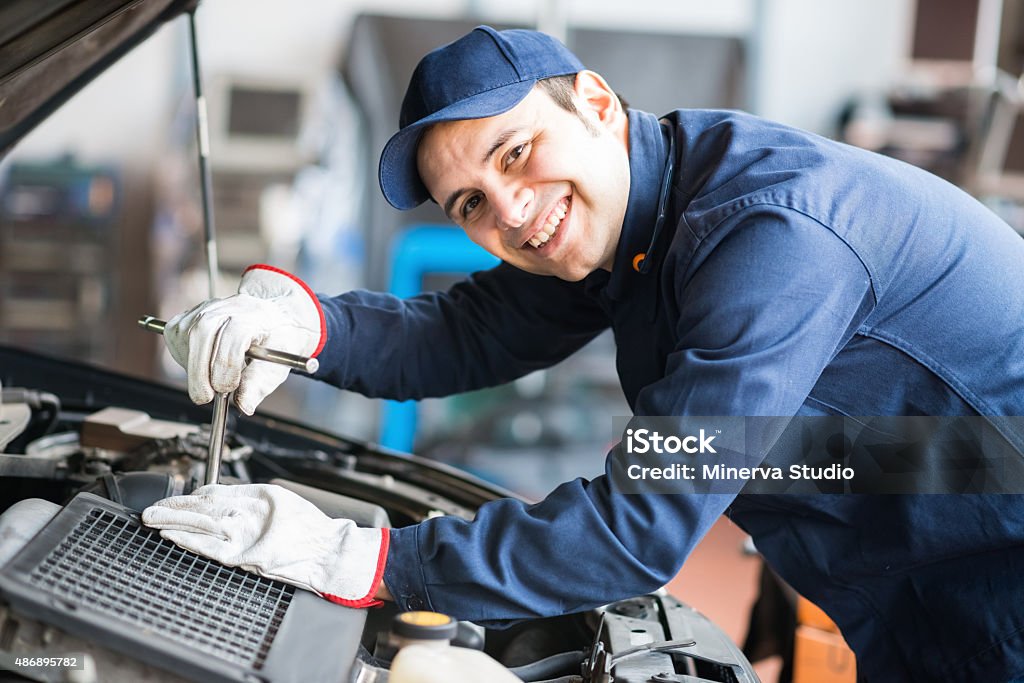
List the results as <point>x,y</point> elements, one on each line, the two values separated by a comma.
<point>597,98</point>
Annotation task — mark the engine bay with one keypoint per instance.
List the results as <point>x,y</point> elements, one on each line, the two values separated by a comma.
<point>67,429</point>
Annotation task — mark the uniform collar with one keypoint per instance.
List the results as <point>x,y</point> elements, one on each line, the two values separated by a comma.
<point>648,154</point>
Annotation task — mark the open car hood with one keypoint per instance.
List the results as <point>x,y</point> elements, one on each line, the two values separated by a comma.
<point>50,49</point>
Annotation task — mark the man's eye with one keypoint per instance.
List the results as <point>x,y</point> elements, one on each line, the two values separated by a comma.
<point>470,204</point>
<point>514,153</point>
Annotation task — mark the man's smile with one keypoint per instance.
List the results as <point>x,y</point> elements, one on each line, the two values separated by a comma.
<point>545,232</point>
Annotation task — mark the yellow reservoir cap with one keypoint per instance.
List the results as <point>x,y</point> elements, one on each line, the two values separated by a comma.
<point>422,625</point>
<point>422,618</point>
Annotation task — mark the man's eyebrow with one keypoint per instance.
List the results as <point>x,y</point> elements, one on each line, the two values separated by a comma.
<point>505,136</point>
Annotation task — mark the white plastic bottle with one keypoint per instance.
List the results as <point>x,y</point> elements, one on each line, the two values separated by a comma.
<point>425,653</point>
<point>446,664</point>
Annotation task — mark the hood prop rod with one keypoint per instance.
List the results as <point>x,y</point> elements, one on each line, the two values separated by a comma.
<point>221,401</point>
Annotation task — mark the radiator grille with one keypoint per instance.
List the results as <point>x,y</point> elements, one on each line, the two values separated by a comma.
<point>114,565</point>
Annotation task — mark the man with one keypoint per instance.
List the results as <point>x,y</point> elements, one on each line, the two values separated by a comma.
<point>746,268</point>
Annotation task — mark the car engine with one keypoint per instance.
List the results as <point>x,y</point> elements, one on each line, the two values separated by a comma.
<point>70,432</point>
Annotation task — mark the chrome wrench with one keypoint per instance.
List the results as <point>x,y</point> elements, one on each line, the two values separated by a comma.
<point>219,422</point>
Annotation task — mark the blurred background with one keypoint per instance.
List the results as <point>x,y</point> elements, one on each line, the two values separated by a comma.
<point>100,219</point>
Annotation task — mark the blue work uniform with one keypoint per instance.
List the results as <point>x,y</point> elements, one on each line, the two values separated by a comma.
<point>790,275</point>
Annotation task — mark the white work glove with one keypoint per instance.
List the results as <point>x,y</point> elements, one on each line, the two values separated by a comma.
<point>278,534</point>
<point>272,309</point>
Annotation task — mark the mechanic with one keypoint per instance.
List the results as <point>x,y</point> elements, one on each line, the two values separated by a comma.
<point>746,268</point>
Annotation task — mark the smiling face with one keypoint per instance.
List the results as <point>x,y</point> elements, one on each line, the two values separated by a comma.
<point>538,186</point>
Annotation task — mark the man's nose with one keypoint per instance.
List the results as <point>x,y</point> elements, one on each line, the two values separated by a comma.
<point>512,206</point>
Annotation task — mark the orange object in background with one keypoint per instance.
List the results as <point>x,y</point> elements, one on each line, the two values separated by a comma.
<point>820,655</point>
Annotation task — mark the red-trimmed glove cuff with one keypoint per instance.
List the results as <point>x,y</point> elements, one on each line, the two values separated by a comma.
<point>369,600</point>
<point>305,287</point>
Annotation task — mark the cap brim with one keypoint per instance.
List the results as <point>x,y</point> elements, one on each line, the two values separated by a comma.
<point>398,175</point>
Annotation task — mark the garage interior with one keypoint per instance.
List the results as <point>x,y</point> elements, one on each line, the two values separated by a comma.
<point>101,220</point>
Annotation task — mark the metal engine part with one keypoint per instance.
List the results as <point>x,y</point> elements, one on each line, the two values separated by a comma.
<point>14,417</point>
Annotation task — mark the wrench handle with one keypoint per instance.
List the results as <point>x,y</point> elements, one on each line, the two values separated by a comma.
<point>290,360</point>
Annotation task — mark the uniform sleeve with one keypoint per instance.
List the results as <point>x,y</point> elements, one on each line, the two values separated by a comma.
<point>496,326</point>
<point>764,313</point>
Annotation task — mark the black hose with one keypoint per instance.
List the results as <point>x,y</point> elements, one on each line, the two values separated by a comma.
<point>562,664</point>
<point>37,400</point>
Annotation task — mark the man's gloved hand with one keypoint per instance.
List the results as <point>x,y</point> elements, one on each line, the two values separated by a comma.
<point>277,534</point>
<point>273,309</point>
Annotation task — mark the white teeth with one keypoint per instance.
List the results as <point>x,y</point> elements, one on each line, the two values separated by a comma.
<point>550,226</point>
<point>542,237</point>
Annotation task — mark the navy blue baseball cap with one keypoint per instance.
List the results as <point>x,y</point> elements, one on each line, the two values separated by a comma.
<point>483,73</point>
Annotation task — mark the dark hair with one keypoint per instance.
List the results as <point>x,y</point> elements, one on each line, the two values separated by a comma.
<point>562,88</point>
